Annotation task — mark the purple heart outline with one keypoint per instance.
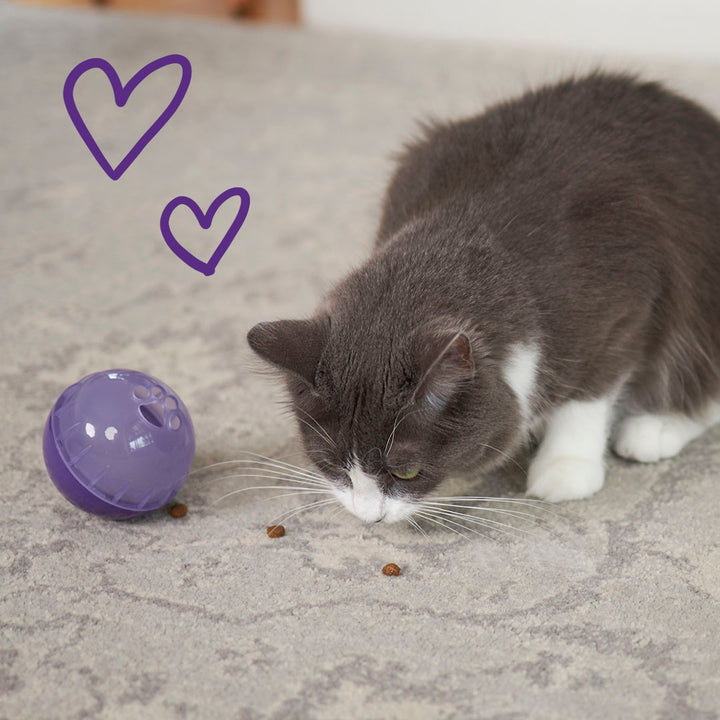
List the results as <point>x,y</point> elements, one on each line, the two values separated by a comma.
<point>205,220</point>
<point>122,94</point>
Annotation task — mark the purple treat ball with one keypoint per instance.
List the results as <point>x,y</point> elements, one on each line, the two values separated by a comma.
<point>118,443</point>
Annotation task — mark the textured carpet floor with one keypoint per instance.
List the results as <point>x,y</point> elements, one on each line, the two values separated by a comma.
<point>610,610</point>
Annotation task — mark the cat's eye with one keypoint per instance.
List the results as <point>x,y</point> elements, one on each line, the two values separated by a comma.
<point>407,473</point>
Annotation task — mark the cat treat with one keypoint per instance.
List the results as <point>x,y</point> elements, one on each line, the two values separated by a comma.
<point>391,569</point>
<point>541,271</point>
<point>178,510</point>
<point>275,531</point>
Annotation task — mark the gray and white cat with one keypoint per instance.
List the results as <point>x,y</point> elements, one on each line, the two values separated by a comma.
<point>544,269</point>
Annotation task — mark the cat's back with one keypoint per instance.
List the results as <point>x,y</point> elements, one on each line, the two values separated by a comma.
<point>593,206</point>
<point>592,132</point>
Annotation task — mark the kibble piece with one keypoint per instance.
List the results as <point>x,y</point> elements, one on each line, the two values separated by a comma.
<point>391,569</point>
<point>178,510</point>
<point>275,531</point>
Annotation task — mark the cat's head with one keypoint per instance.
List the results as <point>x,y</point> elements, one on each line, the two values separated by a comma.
<point>386,415</point>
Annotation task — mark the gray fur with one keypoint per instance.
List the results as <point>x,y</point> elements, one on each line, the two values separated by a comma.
<point>584,217</point>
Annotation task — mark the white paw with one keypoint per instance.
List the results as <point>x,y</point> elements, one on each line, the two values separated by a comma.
<point>563,477</point>
<point>649,438</point>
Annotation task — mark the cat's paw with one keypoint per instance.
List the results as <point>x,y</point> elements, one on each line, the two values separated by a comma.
<point>649,438</point>
<point>560,478</point>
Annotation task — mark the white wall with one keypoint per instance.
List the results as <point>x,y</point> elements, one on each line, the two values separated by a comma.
<point>687,28</point>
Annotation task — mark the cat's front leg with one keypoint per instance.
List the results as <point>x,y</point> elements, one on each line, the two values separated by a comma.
<point>570,461</point>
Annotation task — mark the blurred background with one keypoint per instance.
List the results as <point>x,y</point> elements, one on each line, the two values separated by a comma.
<point>680,28</point>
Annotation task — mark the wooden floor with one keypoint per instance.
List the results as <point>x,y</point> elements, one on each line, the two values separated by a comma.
<point>274,11</point>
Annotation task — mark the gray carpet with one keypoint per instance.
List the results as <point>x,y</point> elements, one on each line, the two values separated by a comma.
<point>607,610</point>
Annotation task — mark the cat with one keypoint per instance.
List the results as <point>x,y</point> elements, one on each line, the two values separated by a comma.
<point>547,269</point>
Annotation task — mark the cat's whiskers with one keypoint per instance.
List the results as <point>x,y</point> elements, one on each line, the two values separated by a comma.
<point>451,524</point>
<point>267,460</point>
<point>337,511</point>
<point>317,451</point>
<point>282,472</point>
<point>453,510</point>
<point>540,505</point>
<point>448,512</point>
<point>297,482</point>
<point>398,419</point>
<point>490,498</point>
<point>517,514</point>
<point>296,491</point>
<point>284,517</point>
<point>503,454</point>
<point>417,527</point>
<point>441,523</point>
<point>314,429</point>
<point>450,515</point>
<point>317,427</point>
<point>454,518</point>
<point>489,501</point>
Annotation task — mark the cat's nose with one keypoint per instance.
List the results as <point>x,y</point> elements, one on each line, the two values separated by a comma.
<point>370,516</point>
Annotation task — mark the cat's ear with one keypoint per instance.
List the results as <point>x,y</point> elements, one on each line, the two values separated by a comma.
<point>294,346</point>
<point>446,365</point>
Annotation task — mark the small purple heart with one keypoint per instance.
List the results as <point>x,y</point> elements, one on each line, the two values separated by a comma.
<point>205,220</point>
<point>122,94</point>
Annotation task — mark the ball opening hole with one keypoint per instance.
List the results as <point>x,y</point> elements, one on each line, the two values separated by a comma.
<point>153,413</point>
<point>141,392</point>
